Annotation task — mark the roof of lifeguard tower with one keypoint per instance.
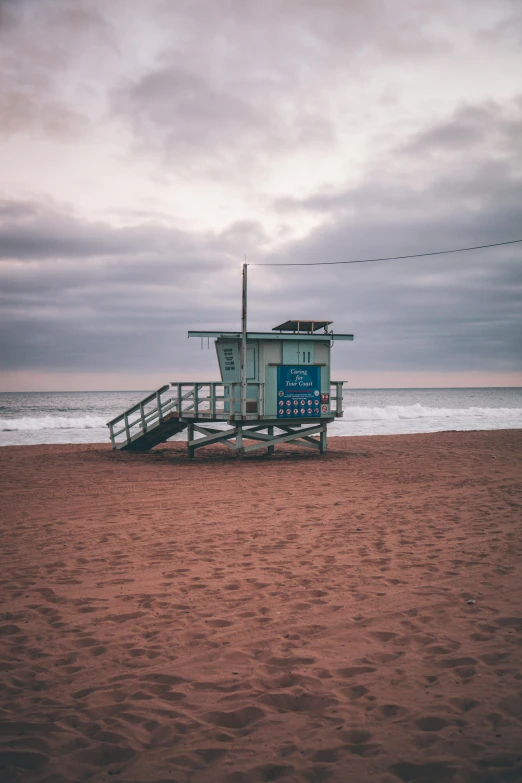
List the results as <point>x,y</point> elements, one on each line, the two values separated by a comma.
<point>302,326</point>
<point>296,331</point>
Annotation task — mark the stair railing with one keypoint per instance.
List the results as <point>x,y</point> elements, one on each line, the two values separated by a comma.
<point>195,399</point>
<point>147,416</point>
<point>255,405</point>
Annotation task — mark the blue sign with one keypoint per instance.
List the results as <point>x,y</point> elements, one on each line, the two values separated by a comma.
<point>298,392</point>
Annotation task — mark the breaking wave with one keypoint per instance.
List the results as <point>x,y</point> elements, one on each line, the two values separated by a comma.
<point>406,419</point>
<point>52,423</point>
<point>357,420</point>
<point>418,411</point>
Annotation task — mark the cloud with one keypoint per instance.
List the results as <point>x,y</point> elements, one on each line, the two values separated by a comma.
<point>38,65</point>
<point>38,231</point>
<point>184,114</point>
<point>486,126</point>
<point>461,311</point>
<point>474,154</point>
<point>83,295</point>
<point>153,145</point>
<point>238,85</point>
<point>192,121</point>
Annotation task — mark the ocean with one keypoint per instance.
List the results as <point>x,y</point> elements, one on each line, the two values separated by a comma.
<point>80,417</point>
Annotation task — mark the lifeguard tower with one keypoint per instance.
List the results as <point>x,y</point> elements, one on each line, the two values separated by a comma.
<point>275,388</point>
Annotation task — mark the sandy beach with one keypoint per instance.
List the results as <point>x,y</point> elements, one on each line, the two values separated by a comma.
<point>352,617</point>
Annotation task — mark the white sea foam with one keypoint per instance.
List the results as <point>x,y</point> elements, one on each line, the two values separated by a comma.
<point>404,419</point>
<point>30,424</point>
<point>418,411</point>
<point>45,418</point>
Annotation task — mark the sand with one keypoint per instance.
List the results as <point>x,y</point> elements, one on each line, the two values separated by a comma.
<point>353,617</point>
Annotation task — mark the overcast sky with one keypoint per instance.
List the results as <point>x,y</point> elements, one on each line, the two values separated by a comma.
<point>146,148</point>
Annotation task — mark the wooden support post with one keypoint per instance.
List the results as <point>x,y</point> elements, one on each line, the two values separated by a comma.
<point>231,402</point>
<point>243,348</point>
<point>113,439</point>
<point>339,399</point>
<point>261,399</point>
<point>323,438</point>
<point>239,441</point>
<point>212,399</point>
<point>190,437</point>
<point>270,430</point>
<point>143,419</point>
<point>127,430</point>
<point>158,403</point>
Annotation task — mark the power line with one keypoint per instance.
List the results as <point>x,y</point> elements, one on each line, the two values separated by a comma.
<point>390,258</point>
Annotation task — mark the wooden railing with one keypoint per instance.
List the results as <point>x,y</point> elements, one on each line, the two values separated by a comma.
<point>142,416</point>
<point>192,400</point>
<point>336,398</point>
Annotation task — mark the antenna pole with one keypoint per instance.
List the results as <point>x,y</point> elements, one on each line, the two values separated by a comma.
<point>244,343</point>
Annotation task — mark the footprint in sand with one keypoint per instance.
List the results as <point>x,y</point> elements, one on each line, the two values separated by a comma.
<point>492,659</point>
<point>237,719</point>
<point>512,705</point>
<point>263,772</point>
<point>354,671</point>
<point>510,622</point>
<point>355,692</point>
<point>358,742</point>
<point>383,636</point>
<point>431,723</point>
<point>220,686</point>
<point>327,755</point>
<point>290,662</point>
<point>464,705</point>
<point>453,663</point>
<point>219,623</point>
<point>23,759</point>
<point>464,667</point>
<point>435,772</point>
<point>391,712</point>
<point>304,702</point>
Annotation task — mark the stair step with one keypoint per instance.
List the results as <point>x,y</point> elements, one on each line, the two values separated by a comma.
<point>163,430</point>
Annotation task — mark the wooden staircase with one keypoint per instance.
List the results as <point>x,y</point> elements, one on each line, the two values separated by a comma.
<point>145,425</point>
<point>158,433</point>
<point>166,412</point>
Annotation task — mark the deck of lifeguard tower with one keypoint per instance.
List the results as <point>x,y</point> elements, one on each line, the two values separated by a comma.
<point>211,411</point>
